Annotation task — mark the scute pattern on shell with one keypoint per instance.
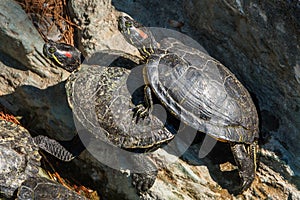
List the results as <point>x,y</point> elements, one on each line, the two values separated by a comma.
<point>202,92</point>
<point>100,100</point>
<point>42,188</point>
<point>19,157</point>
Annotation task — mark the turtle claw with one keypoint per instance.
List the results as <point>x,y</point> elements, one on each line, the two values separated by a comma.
<point>140,112</point>
<point>246,162</point>
<point>144,109</point>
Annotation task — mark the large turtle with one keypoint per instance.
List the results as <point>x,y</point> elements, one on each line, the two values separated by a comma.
<point>199,91</point>
<point>20,159</point>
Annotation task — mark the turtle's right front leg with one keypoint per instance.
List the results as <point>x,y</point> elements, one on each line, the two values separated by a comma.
<point>145,108</point>
<point>245,159</point>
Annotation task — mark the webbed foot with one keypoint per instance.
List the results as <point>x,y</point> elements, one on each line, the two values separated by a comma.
<point>245,159</point>
<point>143,181</point>
<point>140,112</point>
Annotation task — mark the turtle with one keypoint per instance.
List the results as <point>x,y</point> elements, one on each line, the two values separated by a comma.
<point>20,159</point>
<point>199,91</point>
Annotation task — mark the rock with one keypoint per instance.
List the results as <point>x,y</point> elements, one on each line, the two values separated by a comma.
<point>98,22</point>
<point>20,40</point>
<point>20,167</point>
<point>187,178</point>
<point>259,42</point>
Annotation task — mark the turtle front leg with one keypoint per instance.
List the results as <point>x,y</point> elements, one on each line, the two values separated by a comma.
<point>245,158</point>
<point>144,109</point>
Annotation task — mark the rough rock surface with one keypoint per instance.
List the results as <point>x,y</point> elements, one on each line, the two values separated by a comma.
<point>235,33</point>
<point>20,167</point>
<point>20,39</point>
<point>97,20</point>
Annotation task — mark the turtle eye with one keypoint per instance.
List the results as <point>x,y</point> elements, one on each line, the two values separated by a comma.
<point>128,24</point>
<point>52,49</point>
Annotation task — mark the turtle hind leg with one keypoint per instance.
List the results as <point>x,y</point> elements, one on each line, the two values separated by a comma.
<point>54,148</point>
<point>143,181</point>
<point>245,158</point>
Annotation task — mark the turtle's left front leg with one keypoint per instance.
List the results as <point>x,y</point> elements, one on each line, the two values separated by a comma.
<point>144,109</point>
<point>245,158</point>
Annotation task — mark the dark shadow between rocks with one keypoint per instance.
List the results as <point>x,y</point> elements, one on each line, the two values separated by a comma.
<point>43,111</point>
<point>220,154</point>
<point>11,62</point>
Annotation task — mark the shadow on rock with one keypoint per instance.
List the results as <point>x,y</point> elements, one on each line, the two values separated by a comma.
<point>43,111</point>
<point>219,162</point>
<point>10,62</point>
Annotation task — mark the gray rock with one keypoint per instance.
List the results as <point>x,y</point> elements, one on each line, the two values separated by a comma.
<point>98,22</point>
<point>20,39</point>
<point>20,164</point>
<point>19,157</point>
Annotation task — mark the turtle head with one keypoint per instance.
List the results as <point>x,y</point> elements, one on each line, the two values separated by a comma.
<point>65,55</point>
<point>137,35</point>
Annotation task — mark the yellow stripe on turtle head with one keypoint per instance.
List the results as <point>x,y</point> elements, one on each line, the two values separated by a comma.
<point>55,58</point>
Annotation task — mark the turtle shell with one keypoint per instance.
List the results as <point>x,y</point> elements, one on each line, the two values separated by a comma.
<point>19,157</point>
<point>202,92</point>
<point>101,101</point>
<point>43,188</point>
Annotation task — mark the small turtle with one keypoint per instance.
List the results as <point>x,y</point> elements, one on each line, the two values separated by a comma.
<point>199,91</point>
<point>66,56</point>
<point>106,84</point>
<point>19,156</point>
